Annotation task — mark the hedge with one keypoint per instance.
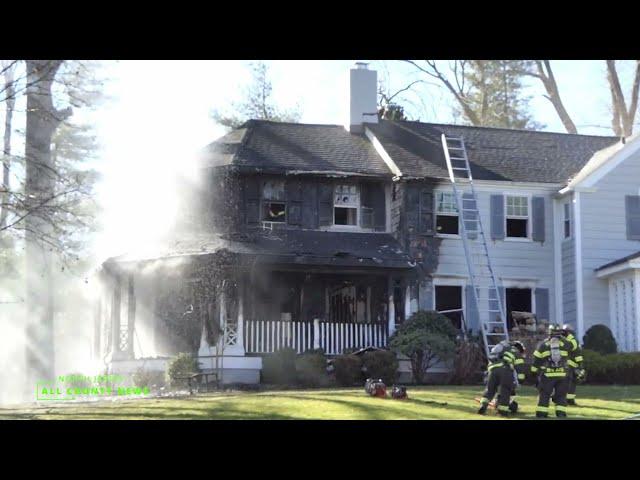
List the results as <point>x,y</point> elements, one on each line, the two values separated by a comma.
<point>615,368</point>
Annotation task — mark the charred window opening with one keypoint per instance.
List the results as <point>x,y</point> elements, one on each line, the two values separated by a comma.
<point>518,300</point>
<point>346,204</point>
<point>273,212</point>
<point>447,222</point>
<point>449,303</point>
<point>517,217</point>
<point>274,207</point>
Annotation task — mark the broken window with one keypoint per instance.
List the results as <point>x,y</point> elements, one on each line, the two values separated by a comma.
<point>274,207</point>
<point>517,217</point>
<point>446,214</point>
<point>567,220</point>
<point>345,205</point>
<point>449,303</point>
<point>518,300</point>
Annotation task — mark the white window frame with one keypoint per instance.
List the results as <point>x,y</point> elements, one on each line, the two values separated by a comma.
<point>566,208</point>
<point>451,282</point>
<point>357,208</point>
<point>447,214</point>
<point>528,217</point>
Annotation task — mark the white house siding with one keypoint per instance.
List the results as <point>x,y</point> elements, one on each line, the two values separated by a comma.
<point>604,235</point>
<point>512,260</point>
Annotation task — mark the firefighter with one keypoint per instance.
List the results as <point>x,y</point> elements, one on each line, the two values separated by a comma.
<point>576,371</point>
<point>518,349</point>
<point>550,363</point>
<point>501,377</point>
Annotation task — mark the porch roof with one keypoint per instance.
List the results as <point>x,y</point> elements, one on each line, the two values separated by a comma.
<point>297,247</point>
<point>630,262</point>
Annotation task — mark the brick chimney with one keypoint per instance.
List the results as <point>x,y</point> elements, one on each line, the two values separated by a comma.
<point>363,93</point>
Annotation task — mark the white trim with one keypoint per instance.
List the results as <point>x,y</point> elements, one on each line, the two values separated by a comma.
<point>621,267</point>
<point>578,266</point>
<point>600,171</point>
<point>531,285</point>
<point>637,300</point>
<point>436,191</point>
<point>382,152</point>
<point>455,282</point>
<point>492,185</point>
<point>557,259</point>
<point>519,283</point>
<point>529,218</point>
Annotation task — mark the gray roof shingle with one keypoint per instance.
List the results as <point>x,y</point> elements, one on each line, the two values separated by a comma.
<point>494,153</point>
<point>282,147</point>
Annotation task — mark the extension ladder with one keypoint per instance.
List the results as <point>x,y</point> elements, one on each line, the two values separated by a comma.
<point>489,305</point>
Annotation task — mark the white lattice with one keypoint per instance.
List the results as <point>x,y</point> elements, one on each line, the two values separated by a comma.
<point>231,335</point>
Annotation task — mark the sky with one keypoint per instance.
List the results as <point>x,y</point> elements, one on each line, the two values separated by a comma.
<point>158,118</point>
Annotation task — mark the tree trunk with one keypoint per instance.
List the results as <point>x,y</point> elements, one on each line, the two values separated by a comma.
<point>553,94</point>
<point>41,121</point>
<point>6,150</point>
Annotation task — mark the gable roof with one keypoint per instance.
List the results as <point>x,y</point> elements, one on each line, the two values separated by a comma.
<point>295,147</point>
<point>494,153</point>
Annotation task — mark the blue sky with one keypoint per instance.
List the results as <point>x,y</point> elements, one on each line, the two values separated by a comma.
<point>158,119</point>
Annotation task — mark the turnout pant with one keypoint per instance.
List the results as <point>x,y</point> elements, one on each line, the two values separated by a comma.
<point>571,381</point>
<point>501,381</point>
<point>554,388</point>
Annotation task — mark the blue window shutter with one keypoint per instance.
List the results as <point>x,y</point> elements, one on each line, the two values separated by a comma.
<point>542,303</point>
<point>325,204</point>
<point>470,219</point>
<point>252,200</point>
<point>293,191</point>
<point>632,204</point>
<point>471,314</point>
<point>537,217</point>
<point>497,217</point>
<point>426,295</point>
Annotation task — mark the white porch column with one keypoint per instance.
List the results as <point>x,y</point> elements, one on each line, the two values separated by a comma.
<point>240,341</point>
<point>316,333</point>
<point>392,308</point>
<point>407,302</point>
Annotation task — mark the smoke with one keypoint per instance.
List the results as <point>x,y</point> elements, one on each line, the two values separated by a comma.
<point>143,152</point>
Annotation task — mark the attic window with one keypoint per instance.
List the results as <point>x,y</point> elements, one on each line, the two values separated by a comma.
<point>274,207</point>
<point>346,204</point>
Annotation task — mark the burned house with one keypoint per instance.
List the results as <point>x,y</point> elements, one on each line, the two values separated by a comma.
<point>321,236</point>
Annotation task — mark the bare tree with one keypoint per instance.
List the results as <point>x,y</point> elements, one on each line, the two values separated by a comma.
<point>544,73</point>
<point>622,118</point>
<point>9,91</point>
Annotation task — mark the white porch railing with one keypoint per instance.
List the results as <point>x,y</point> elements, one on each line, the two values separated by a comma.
<point>337,337</point>
<point>263,336</point>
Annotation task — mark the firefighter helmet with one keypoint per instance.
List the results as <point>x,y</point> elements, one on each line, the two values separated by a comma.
<point>519,345</point>
<point>555,329</point>
<point>566,328</point>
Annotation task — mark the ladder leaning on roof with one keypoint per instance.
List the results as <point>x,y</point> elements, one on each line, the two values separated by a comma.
<point>491,317</point>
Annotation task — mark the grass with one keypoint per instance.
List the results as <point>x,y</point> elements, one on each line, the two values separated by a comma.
<point>425,402</point>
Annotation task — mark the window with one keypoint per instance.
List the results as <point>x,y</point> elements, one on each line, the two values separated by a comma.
<point>274,208</point>
<point>446,214</point>
<point>449,303</point>
<point>517,217</point>
<point>518,300</point>
<point>567,220</point>
<point>345,205</point>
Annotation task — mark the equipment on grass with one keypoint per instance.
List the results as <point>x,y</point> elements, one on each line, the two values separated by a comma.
<point>375,388</point>
<point>399,392</point>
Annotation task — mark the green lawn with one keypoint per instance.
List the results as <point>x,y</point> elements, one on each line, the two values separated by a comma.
<point>437,402</point>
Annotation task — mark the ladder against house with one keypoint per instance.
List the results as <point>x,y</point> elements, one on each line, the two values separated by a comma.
<point>488,303</point>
